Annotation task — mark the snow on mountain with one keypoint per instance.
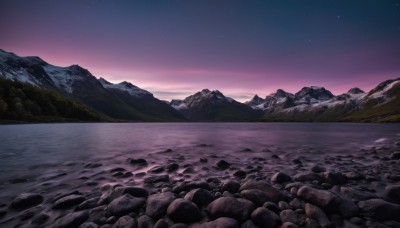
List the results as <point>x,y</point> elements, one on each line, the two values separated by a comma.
<point>205,95</point>
<point>381,91</point>
<point>125,86</point>
<point>178,104</point>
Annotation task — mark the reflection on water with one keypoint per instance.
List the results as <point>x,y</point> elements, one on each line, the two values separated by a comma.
<point>24,146</point>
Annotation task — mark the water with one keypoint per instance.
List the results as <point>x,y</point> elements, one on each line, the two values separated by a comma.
<point>25,146</point>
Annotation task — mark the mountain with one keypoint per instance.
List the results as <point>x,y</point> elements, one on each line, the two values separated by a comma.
<point>318,104</point>
<point>142,101</point>
<point>78,83</point>
<point>209,105</point>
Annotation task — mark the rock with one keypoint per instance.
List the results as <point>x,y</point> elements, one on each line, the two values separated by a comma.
<point>88,204</point>
<point>157,204</point>
<point>183,210</point>
<point>380,210</point>
<point>198,184</point>
<point>222,164</point>
<point>355,194</point>
<point>179,225</point>
<point>145,221</point>
<point>289,225</point>
<point>125,222</point>
<point>72,220</point>
<point>156,179</point>
<point>280,177</point>
<point>308,177</point>
<point>136,192</point>
<point>88,225</point>
<point>222,222</point>
<point>200,197</point>
<point>392,193</point>
<point>318,169</point>
<point>321,198</point>
<point>231,186</point>
<point>395,156</point>
<point>288,216</point>
<point>316,213</point>
<point>172,167</point>
<point>68,201</point>
<point>124,205</point>
<point>231,207</point>
<point>140,161</point>
<point>40,219</point>
<point>256,196</point>
<point>283,205</point>
<point>161,223</point>
<point>240,174</point>
<point>312,223</point>
<point>156,169</point>
<point>355,176</point>
<point>335,178</point>
<point>274,194</point>
<point>26,200</point>
<point>248,224</point>
<point>265,218</point>
<point>272,206</point>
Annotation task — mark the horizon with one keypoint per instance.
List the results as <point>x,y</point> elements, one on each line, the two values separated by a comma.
<point>174,49</point>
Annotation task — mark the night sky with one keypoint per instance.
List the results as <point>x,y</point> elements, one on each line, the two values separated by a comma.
<point>242,48</point>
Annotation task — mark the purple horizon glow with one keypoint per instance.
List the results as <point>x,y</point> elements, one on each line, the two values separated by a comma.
<point>176,49</point>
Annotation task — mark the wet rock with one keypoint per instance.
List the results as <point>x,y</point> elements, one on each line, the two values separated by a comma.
<point>88,225</point>
<point>288,216</point>
<point>145,221</point>
<point>308,177</point>
<point>156,179</point>
<point>136,192</point>
<point>197,184</point>
<point>222,222</point>
<point>172,167</point>
<point>317,214</point>
<point>265,218</point>
<point>248,224</point>
<point>356,194</point>
<point>157,169</point>
<point>161,223</point>
<point>124,205</point>
<point>392,193</point>
<point>395,156</point>
<point>200,197</point>
<point>280,177</point>
<point>335,178</point>
<point>140,161</point>
<point>380,210</point>
<point>318,169</point>
<point>222,164</point>
<point>157,204</point>
<point>125,222</point>
<point>231,186</point>
<point>272,206</point>
<point>203,160</point>
<point>68,201</point>
<point>355,176</point>
<point>26,200</point>
<point>88,204</point>
<point>256,196</point>
<point>240,174</point>
<point>297,162</point>
<point>72,220</point>
<point>179,225</point>
<point>272,193</point>
<point>182,210</point>
<point>283,205</point>
<point>231,207</point>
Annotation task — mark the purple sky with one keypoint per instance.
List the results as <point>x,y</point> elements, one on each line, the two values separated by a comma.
<point>242,48</point>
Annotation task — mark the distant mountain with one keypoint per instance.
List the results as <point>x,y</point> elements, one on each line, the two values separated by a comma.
<point>209,105</point>
<point>78,83</point>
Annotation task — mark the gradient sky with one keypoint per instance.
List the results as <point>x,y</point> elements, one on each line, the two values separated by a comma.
<point>242,48</point>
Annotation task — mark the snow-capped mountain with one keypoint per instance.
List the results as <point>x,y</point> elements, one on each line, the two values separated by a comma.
<point>78,83</point>
<point>208,105</point>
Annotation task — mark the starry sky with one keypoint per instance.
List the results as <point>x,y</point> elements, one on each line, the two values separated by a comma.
<point>176,48</point>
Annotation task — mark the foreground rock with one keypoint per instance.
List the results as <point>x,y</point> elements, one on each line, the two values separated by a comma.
<point>272,193</point>
<point>157,204</point>
<point>222,222</point>
<point>185,211</point>
<point>380,210</point>
<point>124,205</point>
<point>200,197</point>
<point>72,220</point>
<point>314,212</point>
<point>231,207</point>
<point>265,218</point>
<point>26,200</point>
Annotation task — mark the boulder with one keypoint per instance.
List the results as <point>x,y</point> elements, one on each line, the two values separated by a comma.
<point>231,207</point>
<point>200,197</point>
<point>26,200</point>
<point>125,222</point>
<point>183,210</point>
<point>317,214</point>
<point>72,220</point>
<point>265,218</point>
<point>68,201</point>
<point>274,194</point>
<point>157,204</point>
<point>380,210</point>
<point>222,222</point>
<point>124,205</point>
<point>280,177</point>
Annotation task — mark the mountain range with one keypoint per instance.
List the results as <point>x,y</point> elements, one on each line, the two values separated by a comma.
<point>127,102</point>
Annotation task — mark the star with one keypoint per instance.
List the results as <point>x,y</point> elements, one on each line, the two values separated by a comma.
<point>338,17</point>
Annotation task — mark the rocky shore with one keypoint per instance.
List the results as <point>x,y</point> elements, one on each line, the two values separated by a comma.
<point>174,188</point>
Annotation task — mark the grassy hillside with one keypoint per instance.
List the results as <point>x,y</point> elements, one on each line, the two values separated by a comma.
<point>21,102</point>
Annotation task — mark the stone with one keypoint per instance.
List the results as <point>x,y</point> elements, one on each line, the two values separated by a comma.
<point>256,196</point>
<point>272,206</point>
<point>248,224</point>
<point>156,179</point>
<point>288,216</point>
<point>88,225</point>
<point>392,193</point>
<point>289,225</point>
<point>231,186</point>
<point>88,204</point>
<point>274,194</point>
<point>240,174</point>
<point>318,169</point>
<point>379,209</point>
<point>157,169</point>
<point>145,221</point>
<point>355,194</point>
<point>316,213</point>
<point>157,204</point>
<point>280,177</point>
<point>179,225</point>
<point>125,222</point>
<point>283,205</point>
<point>124,205</point>
<point>136,192</point>
<point>72,220</point>
<point>200,197</point>
<point>172,167</point>
<point>161,223</point>
<point>231,207</point>
<point>265,218</point>
<point>222,222</point>
<point>354,175</point>
<point>183,210</point>
<point>68,201</point>
<point>140,161</point>
<point>395,156</point>
<point>222,164</point>
<point>26,200</point>
<point>335,178</point>
<point>308,177</point>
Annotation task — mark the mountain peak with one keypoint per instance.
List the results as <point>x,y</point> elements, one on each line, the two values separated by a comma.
<point>104,81</point>
<point>280,93</point>
<point>355,90</point>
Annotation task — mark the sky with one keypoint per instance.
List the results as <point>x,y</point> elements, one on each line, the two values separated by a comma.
<point>242,48</point>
